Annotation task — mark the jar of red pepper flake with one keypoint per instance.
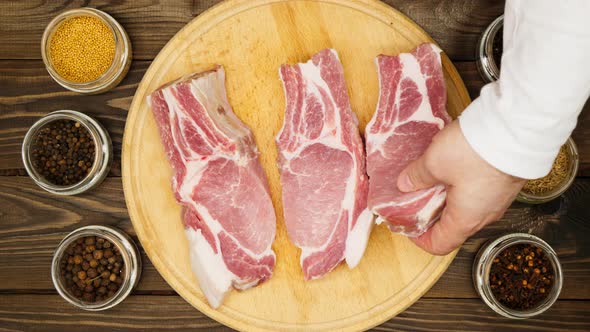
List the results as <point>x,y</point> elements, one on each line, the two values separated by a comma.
<point>518,275</point>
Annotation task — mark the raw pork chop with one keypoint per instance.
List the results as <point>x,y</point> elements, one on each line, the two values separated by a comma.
<point>322,166</point>
<point>410,111</point>
<point>228,216</point>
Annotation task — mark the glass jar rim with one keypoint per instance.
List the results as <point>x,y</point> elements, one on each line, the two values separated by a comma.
<point>574,163</point>
<point>116,70</point>
<point>483,262</point>
<point>486,65</point>
<point>131,259</point>
<point>102,150</point>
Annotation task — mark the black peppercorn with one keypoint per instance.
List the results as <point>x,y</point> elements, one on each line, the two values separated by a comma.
<point>59,156</point>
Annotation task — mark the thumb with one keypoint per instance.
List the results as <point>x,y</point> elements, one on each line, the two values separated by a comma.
<point>443,237</point>
<point>416,176</point>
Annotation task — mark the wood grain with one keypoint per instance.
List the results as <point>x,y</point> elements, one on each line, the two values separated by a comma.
<point>455,25</point>
<point>136,313</point>
<point>473,315</point>
<point>260,36</point>
<point>28,93</point>
<point>166,313</point>
<point>32,222</point>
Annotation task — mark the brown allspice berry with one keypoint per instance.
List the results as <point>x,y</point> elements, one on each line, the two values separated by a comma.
<point>86,271</point>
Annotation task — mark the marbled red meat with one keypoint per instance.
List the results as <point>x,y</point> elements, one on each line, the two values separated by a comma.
<point>322,167</point>
<point>410,111</point>
<point>227,211</point>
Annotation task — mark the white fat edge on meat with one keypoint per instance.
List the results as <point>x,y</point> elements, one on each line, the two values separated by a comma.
<point>176,110</point>
<point>311,73</point>
<point>216,228</point>
<point>376,142</point>
<point>387,204</point>
<point>194,172</point>
<point>369,145</point>
<point>215,278</point>
<point>210,92</point>
<point>211,271</point>
<point>357,238</point>
<point>405,202</point>
<point>212,274</point>
<point>426,216</point>
<point>410,68</point>
<point>280,133</point>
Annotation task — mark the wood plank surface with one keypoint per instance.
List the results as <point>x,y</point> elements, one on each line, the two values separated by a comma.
<point>165,313</point>
<point>251,39</point>
<point>455,25</point>
<point>137,313</point>
<point>32,222</point>
<point>27,92</point>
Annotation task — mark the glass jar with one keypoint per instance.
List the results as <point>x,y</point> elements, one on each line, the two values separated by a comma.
<point>486,65</point>
<point>574,161</point>
<point>483,263</point>
<point>102,159</point>
<point>131,259</point>
<point>121,62</point>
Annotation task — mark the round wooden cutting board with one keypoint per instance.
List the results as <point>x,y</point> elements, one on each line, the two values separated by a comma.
<point>251,39</point>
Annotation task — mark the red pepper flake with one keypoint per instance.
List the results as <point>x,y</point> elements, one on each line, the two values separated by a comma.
<point>521,277</point>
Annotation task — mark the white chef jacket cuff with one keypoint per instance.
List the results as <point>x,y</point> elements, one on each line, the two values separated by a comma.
<point>493,140</point>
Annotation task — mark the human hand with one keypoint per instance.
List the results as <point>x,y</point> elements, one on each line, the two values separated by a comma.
<point>477,193</point>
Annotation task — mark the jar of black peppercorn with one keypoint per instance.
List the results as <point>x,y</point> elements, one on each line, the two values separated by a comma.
<point>67,152</point>
<point>517,275</point>
<point>489,51</point>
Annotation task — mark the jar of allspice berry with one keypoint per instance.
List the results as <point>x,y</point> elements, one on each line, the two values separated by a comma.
<point>96,267</point>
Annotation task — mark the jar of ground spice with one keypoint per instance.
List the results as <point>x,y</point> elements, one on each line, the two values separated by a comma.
<point>560,178</point>
<point>518,275</point>
<point>85,50</point>
<point>67,152</point>
<point>96,267</point>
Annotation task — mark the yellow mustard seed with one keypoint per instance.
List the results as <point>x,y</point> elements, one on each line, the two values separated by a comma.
<point>557,175</point>
<point>82,48</point>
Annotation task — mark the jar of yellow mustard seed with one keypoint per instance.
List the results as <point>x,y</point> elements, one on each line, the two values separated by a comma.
<point>86,50</point>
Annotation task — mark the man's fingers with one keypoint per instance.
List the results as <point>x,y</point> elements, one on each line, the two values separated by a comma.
<point>416,176</point>
<point>443,237</point>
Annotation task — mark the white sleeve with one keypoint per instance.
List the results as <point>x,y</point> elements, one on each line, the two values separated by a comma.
<point>520,121</point>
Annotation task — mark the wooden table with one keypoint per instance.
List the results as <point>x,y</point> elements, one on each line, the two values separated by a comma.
<point>32,222</point>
